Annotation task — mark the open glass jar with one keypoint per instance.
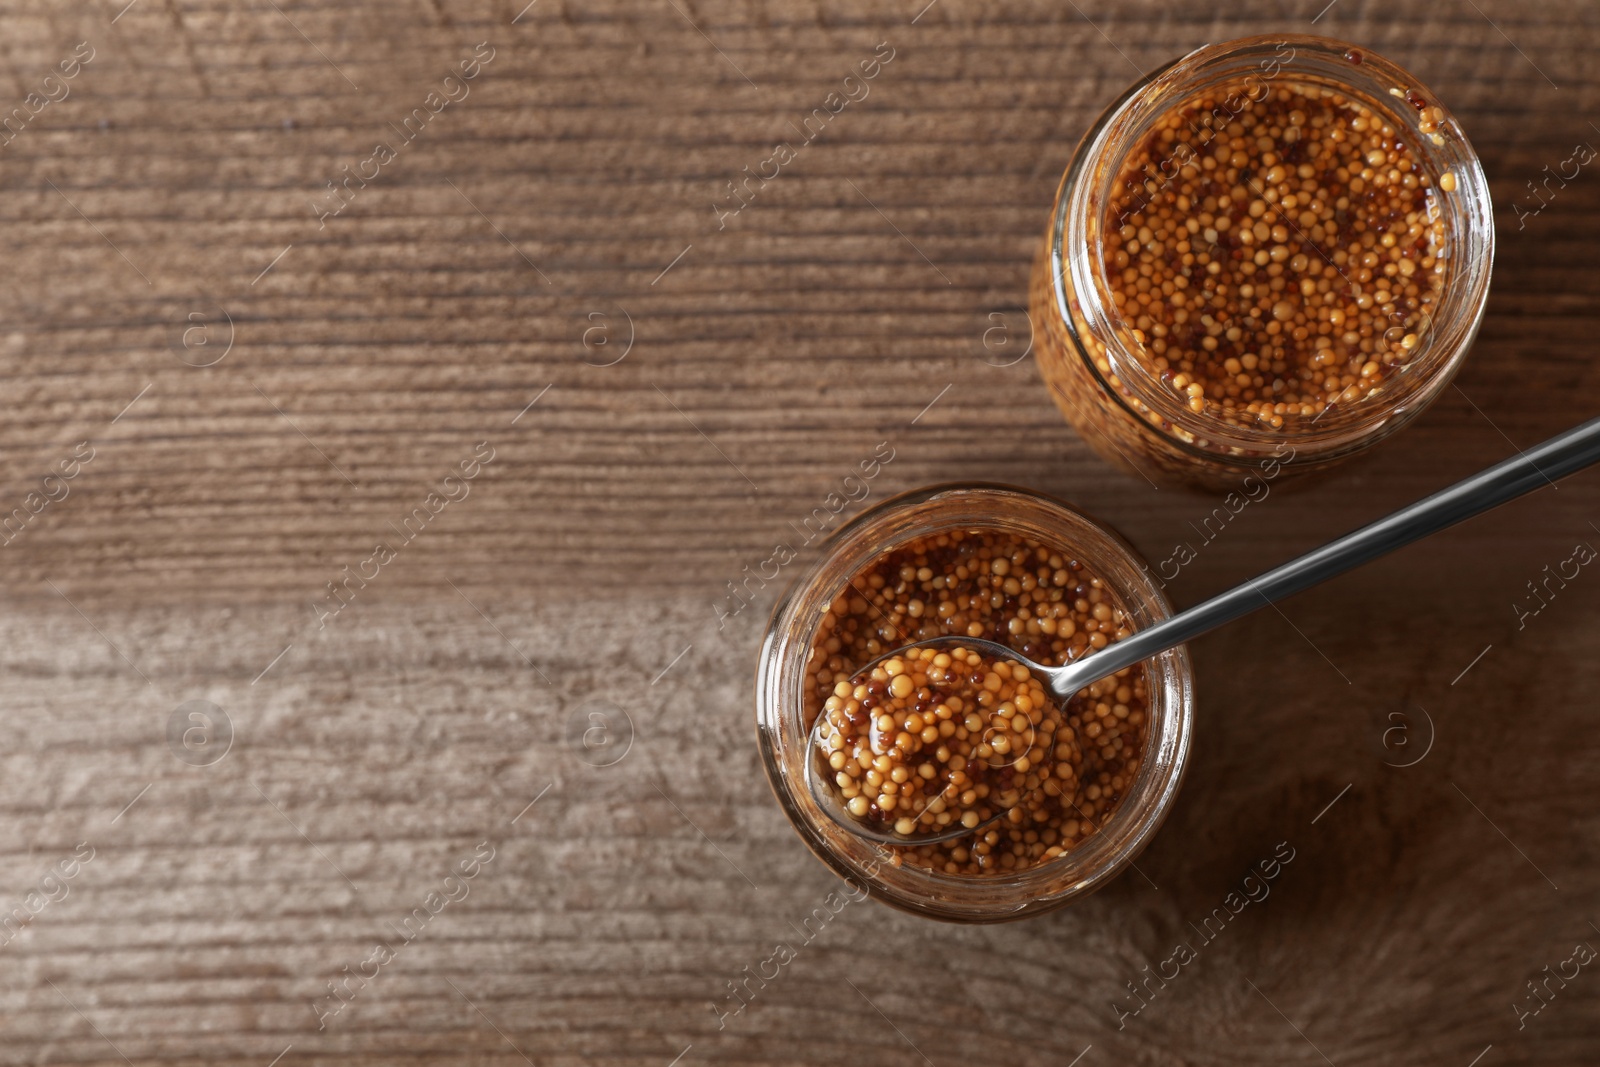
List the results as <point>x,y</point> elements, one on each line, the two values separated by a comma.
<point>1059,538</point>
<point>1192,322</point>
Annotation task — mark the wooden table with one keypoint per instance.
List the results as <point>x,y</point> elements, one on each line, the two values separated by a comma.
<point>549,265</point>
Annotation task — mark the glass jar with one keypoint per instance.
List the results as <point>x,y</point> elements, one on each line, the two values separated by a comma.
<point>783,722</point>
<point>1105,374</point>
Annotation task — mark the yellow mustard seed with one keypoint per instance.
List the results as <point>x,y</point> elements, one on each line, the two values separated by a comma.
<point>1299,232</point>
<point>979,751</point>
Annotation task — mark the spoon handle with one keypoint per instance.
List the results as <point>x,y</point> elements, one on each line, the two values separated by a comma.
<point>1505,481</point>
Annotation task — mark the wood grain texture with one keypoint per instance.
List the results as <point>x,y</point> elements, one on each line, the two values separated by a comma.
<point>574,188</point>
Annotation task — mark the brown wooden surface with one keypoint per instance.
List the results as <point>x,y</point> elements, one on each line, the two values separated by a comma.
<point>775,353</point>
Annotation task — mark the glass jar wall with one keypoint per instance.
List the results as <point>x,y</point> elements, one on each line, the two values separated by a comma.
<point>1053,563</point>
<point>1272,251</point>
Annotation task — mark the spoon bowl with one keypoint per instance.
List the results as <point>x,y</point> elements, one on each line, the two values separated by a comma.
<point>827,795</point>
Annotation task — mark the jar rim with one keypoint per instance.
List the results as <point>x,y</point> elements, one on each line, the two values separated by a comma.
<point>780,703</point>
<point>1340,429</point>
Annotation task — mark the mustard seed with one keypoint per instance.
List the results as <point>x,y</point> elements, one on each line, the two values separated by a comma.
<point>991,740</point>
<point>1306,237</point>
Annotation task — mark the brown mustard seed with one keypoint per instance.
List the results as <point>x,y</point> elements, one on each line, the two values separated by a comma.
<point>1018,592</point>
<point>1276,261</point>
<point>931,740</point>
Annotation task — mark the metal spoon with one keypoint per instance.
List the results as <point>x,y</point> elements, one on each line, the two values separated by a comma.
<point>1505,481</point>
